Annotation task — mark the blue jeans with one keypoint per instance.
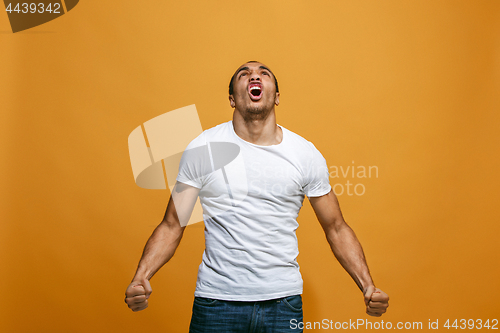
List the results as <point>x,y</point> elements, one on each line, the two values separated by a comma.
<point>272,316</point>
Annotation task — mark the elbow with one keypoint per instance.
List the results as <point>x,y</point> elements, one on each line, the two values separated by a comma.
<point>336,230</point>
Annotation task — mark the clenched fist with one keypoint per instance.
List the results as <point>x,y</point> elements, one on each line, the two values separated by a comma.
<point>137,295</point>
<point>376,301</point>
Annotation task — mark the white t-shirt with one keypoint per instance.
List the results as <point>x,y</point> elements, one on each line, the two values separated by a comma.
<point>251,196</point>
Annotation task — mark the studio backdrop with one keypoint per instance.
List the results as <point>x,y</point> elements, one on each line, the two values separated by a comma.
<point>401,97</point>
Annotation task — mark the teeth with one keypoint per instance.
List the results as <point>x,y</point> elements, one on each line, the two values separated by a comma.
<point>254,87</point>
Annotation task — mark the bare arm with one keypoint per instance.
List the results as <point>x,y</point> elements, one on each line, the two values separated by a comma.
<point>161,245</point>
<point>348,251</point>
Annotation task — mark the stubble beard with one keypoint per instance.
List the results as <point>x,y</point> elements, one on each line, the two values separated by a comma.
<point>256,113</point>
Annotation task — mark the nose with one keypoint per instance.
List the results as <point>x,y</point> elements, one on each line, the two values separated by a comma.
<point>255,77</point>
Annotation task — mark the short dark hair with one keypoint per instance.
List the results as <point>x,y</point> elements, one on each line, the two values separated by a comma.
<point>231,83</point>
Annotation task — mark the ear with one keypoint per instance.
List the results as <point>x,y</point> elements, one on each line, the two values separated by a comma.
<point>277,99</point>
<point>231,101</point>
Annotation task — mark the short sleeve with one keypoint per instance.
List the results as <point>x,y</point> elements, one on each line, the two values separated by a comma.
<point>194,162</point>
<point>317,182</point>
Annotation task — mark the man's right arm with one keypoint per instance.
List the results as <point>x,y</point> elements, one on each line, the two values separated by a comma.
<point>161,245</point>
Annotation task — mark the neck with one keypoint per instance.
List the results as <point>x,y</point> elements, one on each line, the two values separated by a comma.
<point>256,130</point>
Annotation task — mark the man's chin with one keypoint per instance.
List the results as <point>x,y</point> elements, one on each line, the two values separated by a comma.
<point>256,109</point>
<point>259,107</point>
<point>256,112</point>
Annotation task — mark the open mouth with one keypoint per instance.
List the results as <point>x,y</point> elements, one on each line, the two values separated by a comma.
<point>255,91</point>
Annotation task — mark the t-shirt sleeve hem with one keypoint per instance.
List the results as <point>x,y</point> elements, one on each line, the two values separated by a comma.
<point>320,193</point>
<point>188,182</point>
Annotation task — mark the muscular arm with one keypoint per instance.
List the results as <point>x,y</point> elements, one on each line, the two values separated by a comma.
<point>161,245</point>
<point>348,250</point>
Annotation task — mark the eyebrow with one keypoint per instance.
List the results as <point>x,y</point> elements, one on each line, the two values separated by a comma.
<point>242,69</point>
<point>267,69</point>
<point>246,68</point>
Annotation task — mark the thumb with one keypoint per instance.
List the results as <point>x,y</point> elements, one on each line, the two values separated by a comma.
<point>147,288</point>
<point>368,294</point>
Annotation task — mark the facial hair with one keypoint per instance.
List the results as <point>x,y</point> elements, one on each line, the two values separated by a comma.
<point>253,113</point>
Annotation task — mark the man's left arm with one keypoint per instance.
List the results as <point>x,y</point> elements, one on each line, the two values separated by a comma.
<point>348,251</point>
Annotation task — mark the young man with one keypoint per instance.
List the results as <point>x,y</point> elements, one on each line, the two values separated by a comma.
<point>249,279</point>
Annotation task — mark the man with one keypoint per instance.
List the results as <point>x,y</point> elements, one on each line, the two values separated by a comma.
<point>249,279</point>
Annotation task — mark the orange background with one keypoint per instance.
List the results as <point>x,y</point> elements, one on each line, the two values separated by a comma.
<point>408,86</point>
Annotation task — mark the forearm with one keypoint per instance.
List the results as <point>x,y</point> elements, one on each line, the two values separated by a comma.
<point>349,253</point>
<point>159,248</point>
